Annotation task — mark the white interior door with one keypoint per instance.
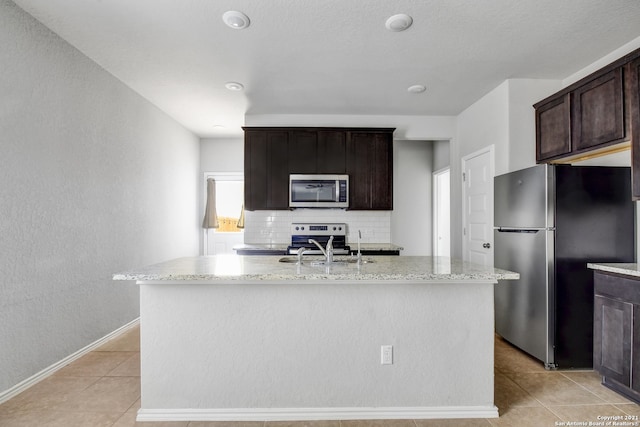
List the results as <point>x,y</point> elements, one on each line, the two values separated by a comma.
<point>442,213</point>
<point>477,203</point>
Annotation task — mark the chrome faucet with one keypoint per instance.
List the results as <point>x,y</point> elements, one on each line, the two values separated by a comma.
<point>328,253</point>
<point>300,252</point>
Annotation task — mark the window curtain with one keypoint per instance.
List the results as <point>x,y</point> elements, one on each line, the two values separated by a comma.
<point>210,217</point>
<point>241,219</point>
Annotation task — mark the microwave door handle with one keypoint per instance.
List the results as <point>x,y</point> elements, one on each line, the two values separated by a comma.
<point>337,198</point>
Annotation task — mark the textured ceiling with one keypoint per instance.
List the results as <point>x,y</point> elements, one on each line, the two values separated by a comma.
<point>333,56</point>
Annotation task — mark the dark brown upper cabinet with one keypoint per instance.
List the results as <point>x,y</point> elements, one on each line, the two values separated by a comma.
<point>370,169</point>
<point>553,128</point>
<point>272,153</point>
<point>317,151</point>
<point>585,117</point>
<point>597,115</point>
<point>632,72</point>
<point>266,170</point>
<point>331,152</point>
<point>597,111</point>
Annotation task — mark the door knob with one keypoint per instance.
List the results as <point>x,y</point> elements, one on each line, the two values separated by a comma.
<point>486,245</point>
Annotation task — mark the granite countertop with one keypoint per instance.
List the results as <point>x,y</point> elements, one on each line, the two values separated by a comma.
<point>268,268</point>
<point>629,269</point>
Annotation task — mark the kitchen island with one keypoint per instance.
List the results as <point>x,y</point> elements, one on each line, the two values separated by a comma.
<point>251,338</point>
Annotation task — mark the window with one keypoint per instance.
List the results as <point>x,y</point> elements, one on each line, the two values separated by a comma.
<point>229,200</point>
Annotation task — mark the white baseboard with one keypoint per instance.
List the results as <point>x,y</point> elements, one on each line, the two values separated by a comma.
<point>23,385</point>
<point>304,414</point>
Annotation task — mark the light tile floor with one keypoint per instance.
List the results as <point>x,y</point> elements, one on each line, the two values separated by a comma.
<point>103,389</point>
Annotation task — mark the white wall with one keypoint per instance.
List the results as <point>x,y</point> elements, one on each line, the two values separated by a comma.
<point>95,180</point>
<point>482,124</point>
<point>605,60</point>
<point>441,155</point>
<point>411,222</point>
<point>222,155</point>
<point>503,118</point>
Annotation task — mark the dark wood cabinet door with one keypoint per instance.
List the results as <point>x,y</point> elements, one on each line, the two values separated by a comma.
<point>266,166</point>
<point>382,189</point>
<point>635,350</point>
<point>612,338</point>
<point>553,129</point>
<point>632,80</point>
<point>303,151</point>
<point>278,179</point>
<point>255,170</point>
<point>369,165</point>
<point>331,151</point>
<point>322,151</point>
<point>597,111</point>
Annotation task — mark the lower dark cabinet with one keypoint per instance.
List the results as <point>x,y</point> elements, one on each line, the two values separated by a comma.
<point>616,332</point>
<point>612,329</point>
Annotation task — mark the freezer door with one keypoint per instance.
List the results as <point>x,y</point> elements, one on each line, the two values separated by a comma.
<point>524,307</point>
<point>521,199</point>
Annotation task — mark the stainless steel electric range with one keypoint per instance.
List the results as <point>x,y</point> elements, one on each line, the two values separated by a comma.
<point>321,232</point>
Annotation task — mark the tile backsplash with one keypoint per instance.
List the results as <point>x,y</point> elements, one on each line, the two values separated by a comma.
<point>274,227</point>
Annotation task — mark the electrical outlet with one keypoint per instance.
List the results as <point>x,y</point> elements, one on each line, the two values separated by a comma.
<point>386,355</point>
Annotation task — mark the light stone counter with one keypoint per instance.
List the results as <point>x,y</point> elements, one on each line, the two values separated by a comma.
<point>628,269</point>
<point>248,338</point>
<point>268,268</point>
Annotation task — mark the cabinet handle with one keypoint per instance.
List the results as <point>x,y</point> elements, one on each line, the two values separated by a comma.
<point>486,245</point>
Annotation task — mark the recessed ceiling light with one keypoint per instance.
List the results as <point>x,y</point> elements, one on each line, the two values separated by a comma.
<point>399,22</point>
<point>236,20</point>
<point>234,86</point>
<point>416,88</point>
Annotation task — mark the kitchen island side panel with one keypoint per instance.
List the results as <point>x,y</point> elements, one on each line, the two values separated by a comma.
<point>315,344</point>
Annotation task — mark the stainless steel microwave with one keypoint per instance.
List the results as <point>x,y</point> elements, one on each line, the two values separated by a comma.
<point>318,191</point>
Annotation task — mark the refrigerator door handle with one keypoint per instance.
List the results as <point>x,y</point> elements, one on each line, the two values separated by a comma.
<point>517,230</point>
<point>522,230</point>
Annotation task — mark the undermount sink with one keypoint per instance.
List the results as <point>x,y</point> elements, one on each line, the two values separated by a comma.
<point>319,262</point>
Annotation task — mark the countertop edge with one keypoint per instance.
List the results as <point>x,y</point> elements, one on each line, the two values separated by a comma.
<point>234,269</point>
<point>317,277</point>
<point>627,269</point>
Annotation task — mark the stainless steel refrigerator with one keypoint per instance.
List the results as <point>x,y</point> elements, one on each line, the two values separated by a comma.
<point>550,221</point>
